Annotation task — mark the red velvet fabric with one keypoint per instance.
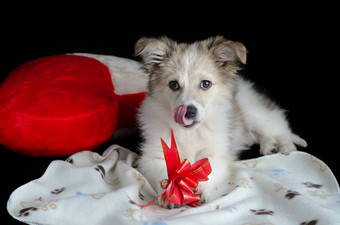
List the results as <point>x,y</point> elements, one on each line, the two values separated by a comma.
<point>57,105</point>
<point>128,106</point>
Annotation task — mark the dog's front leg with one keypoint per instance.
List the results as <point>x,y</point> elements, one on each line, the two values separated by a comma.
<point>217,185</point>
<point>154,170</point>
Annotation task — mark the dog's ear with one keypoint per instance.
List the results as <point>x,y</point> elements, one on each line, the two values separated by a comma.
<point>227,52</point>
<point>153,51</point>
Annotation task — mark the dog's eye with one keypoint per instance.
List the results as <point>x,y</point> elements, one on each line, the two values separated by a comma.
<point>206,84</point>
<point>173,85</point>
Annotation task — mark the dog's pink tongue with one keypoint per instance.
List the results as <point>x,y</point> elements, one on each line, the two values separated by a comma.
<point>179,115</point>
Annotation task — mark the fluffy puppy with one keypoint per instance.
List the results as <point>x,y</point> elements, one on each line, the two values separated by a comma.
<point>214,113</point>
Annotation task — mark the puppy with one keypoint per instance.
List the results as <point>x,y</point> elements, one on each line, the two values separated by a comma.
<point>214,113</point>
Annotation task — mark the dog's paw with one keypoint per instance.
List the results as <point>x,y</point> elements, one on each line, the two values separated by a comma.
<point>163,201</point>
<point>271,145</point>
<point>204,195</point>
<point>287,147</point>
<point>268,146</point>
<point>203,199</point>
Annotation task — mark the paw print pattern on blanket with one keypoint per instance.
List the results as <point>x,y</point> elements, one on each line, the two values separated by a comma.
<point>57,191</point>
<point>264,191</point>
<point>318,162</point>
<point>313,190</point>
<point>251,163</point>
<point>101,170</point>
<point>140,178</point>
<point>155,223</point>
<point>262,212</point>
<point>26,211</point>
<point>245,183</point>
<point>29,207</point>
<point>312,222</point>
<point>311,185</point>
<point>318,193</point>
<point>278,172</point>
<point>316,190</point>
<point>231,209</point>
<point>291,194</point>
<point>133,214</point>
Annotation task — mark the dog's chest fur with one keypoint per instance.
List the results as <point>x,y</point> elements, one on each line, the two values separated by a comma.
<point>210,138</point>
<point>200,143</point>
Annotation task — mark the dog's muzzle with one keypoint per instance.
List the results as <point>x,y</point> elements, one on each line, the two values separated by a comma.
<point>185,115</point>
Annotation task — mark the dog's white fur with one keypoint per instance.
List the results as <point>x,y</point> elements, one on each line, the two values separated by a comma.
<point>231,115</point>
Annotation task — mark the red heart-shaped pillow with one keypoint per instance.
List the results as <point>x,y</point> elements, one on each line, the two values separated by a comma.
<point>57,105</point>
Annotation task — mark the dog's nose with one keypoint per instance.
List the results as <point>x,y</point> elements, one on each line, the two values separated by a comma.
<point>191,112</point>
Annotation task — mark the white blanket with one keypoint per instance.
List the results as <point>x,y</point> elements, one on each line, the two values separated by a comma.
<point>92,189</point>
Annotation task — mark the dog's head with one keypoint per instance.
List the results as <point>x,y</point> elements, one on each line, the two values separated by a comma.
<point>188,79</point>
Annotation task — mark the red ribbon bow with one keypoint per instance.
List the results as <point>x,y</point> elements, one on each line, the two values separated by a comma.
<point>183,177</point>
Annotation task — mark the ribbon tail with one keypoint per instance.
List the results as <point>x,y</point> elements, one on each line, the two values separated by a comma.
<point>171,155</point>
<point>152,201</point>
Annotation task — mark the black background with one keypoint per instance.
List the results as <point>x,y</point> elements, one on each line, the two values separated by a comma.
<point>292,56</point>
